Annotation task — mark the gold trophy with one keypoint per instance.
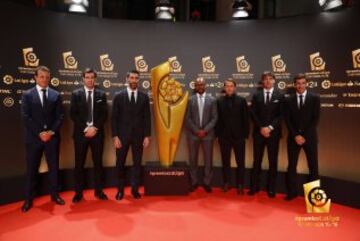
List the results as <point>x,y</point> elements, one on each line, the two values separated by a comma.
<point>169,105</point>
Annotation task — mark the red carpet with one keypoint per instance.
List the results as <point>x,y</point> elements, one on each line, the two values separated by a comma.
<point>201,216</point>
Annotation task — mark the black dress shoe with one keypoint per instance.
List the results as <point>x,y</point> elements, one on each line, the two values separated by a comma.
<point>58,200</point>
<point>26,206</point>
<point>101,195</point>
<point>290,197</point>
<point>119,195</point>
<point>77,198</point>
<point>193,187</point>
<point>240,190</point>
<point>271,194</point>
<point>252,192</point>
<point>207,188</point>
<point>135,194</point>
<point>225,187</point>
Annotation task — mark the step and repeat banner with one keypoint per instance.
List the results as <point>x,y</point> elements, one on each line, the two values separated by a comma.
<point>325,47</point>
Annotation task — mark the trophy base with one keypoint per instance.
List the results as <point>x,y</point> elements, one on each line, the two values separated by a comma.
<point>160,180</point>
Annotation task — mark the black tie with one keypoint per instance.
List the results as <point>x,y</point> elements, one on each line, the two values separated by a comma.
<point>89,105</point>
<point>267,101</point>
<point>301,101</point>
<point>132,100</point>
<point>44,97</point>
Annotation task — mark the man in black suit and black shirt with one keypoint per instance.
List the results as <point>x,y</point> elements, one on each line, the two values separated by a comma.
<point>232,129</point>
<point>266,112</point>
<point>89,112</point>
<point>302,112</point>
<point>131,127</point>
<point>43,114</point>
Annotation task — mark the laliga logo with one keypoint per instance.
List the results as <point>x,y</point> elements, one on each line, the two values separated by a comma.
<point>30,57</point>
<point>106,63</point>
<point>278,64</point>
<point>175,65</point>
<point>356,58</point>
<point>316,62</point>
<point>208,65</point>
<point>69,61</point>
<point>141,64</point>
<point>242,65</point>
<point>315,198</point>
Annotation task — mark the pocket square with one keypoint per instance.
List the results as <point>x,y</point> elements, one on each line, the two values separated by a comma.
<point>275,101</point>
<point>98,101</point>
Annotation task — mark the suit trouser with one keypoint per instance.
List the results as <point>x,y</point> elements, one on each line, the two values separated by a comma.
<point>34,152</point>
<point>82,145</point>
<point>272,145</point>
<point>226,145</point>
<point>207,147</point>
<point>311,154</point>
<point>136,145</point>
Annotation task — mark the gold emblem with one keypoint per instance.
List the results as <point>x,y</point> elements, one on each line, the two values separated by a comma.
<point>316,62</point>
<point>316,199</point>
<point>30,58</point>
<point>106,63</point>
<point>69,60</point>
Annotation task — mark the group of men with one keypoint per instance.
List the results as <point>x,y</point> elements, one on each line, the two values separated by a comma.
<point>226,118</point>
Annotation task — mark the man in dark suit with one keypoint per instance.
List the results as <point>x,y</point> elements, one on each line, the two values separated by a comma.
<point>200,121</point>
<point>232,129</point>
<point>266,112</point>
<point>302,112</point>
<point>131,127</point>
<point>88,111</point>
<point>42,112</point>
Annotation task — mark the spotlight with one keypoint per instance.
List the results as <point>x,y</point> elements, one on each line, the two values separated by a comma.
<point>77,6</point>
<point>241,9</point>
<point>164,11</point>
<point>328,5</point>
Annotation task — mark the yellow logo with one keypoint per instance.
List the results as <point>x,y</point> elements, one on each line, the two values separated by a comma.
<point>141,64</point>
<point>107,83</point>
<point>278,64</point>
<point>69,60</point>
<point>8,79</point>
<point>30,58</point>
<point>208,65</point>
<point>55,82</point>
<point>356,58</point>
<point>242,65</point>
<point>315,198</point>
<point>8,102</point>
<point>106,63</point>
<point>316,62</point>
<point>175,65</point>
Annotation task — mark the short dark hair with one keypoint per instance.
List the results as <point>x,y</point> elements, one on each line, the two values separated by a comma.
<point>89,71</point>
<point>134,71</point>
<point>299,76</point>
<point>267,73</point>
<point>230,80</point>
<point>41,68</point>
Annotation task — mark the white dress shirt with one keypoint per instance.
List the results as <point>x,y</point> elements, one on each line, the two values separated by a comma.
<point>303,98</point>
<point>129,91</point>
<point>39,90</point>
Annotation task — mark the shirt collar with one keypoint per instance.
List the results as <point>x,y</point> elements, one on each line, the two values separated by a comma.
<point>270,90</point>
<point>87,89</point>
<point>129,90</point>
<point>303,94</point>
<point>203,95</point>
<point>39,88</point>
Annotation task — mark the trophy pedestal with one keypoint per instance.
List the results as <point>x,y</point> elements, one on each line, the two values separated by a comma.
<point>160,180</point>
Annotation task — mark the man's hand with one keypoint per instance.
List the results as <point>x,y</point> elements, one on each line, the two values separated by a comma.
<point>300,140</point>
<point>201,133</point>
<point>265,132</point>
<point>45,136</point>
<point>90,131</point>
<point>146,142</point>
<point>117,142</point>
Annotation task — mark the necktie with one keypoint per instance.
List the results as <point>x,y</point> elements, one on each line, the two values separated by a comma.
<point>89,105</point>
<point>201,108</point>
<point>267,101</point>
<point>132,99</point>
<point>44,98</point>
<point>301,101</point>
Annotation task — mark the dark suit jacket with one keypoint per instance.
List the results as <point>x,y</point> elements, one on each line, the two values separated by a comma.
<point>303,122</point>
<point>38,119</point>
<point>233,123</point>
<point>131,122</point>
<point>79,110</point>
<point>264,115</point>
